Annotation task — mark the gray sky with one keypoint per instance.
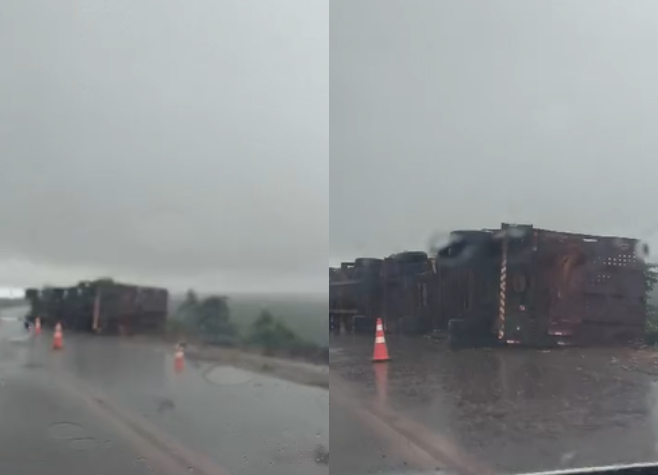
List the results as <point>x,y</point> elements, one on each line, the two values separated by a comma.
<point>455,114</point>
<point>181,143</point>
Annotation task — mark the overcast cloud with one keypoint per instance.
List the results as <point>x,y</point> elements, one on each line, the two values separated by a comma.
<point>182,143</point>
<point>465,114</point>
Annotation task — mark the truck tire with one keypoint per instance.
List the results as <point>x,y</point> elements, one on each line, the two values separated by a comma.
<point>456,334</point>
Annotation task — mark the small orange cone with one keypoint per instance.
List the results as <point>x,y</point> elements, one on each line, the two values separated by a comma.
<point>380,352</point>
<point>58,340</point>
<point>179,359</point>
<point>37,326</point>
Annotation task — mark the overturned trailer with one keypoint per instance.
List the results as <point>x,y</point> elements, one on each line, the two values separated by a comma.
<point>355,295</point>
<point>520,285</point>
<point>103,307</point>
<point>405,296</point>
<point>515,285</point>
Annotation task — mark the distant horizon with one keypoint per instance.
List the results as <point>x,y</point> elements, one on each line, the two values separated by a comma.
<point>255,293</point>
<point>13,296</point>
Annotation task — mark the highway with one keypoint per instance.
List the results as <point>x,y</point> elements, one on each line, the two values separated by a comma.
<point>122,401</point>
<point>493,410</point>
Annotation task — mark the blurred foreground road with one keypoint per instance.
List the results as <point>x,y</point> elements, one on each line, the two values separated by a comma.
<point>220,419</point>
<point>499,410</point>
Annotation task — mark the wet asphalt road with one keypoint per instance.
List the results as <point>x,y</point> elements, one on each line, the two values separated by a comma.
<point>358,449</point>
<point>508,410</point>
<point>43,431</point>
<point>249,424</point>
<point>236,422</point>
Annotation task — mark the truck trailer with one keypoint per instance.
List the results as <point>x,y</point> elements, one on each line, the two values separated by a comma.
<point>101,307</point>
<point>541,288</point>
<point>514,285</point>
<point>405,296</point>
<point>355,295</point>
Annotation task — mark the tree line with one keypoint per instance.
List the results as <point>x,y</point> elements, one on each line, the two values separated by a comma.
<point>651,279</point>
<point>208,320</point>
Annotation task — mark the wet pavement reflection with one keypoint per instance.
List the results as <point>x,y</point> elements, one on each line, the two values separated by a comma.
<point>515,410</point>
<point>247,423</point>
<point>42,429</point>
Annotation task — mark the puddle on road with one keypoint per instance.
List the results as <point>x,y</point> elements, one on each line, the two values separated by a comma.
<point>228,375</point>
<point>141,462</point>
<point>18,339</point>
<point>66,430</point>
<point>74,435</point>
<point>321,455</point>
<point>33,365</point>
<point>83,443</point>
<point>164,404</point>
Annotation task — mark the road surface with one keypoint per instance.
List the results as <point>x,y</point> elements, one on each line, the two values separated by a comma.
<point>43,430</point>
<point>502,410</point>
<point>219,419</point>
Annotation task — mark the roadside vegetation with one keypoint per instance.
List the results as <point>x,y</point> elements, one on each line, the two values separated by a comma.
<point>12,303</point>
<point>651,279</point>
<point>208,321</point>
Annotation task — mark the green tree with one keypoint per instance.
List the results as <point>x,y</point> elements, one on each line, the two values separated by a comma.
<point>651,279</point>
<point>212,321</point>
<point>208,318</point>
<point>187,310</point>
<point>264,321</point>
<point>651,276</point>
<point>213,315</point>
<point>271,334</point>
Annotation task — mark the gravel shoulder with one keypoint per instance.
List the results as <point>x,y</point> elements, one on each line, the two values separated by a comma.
<point>295,371</point>
<point>290,370</point>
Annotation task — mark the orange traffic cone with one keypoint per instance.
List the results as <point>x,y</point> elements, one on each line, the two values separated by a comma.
<point>380,352</point>
<point>179,359</point>
<point>37,326</point>
<point>58,340</point>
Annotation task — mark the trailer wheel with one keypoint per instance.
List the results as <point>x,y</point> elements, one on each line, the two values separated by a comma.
<point>456,334</point>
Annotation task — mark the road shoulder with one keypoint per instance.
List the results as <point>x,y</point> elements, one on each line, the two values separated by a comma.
<point>294,371</point>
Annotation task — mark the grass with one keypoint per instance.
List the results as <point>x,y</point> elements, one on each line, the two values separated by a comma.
<point>305,314</point>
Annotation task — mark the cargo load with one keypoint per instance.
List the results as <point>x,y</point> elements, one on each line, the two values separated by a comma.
<point>536,287</point>
<point>102,307</point>
<point>355,295</point>
<point>515,285</point>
